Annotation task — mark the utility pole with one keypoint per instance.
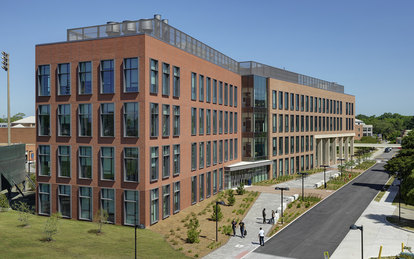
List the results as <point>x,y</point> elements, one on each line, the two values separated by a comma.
<point>5,66</point>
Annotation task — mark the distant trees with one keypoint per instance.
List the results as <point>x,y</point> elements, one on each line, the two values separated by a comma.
<point>16,117</point>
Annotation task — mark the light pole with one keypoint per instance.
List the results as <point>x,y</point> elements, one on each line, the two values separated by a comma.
<point>281,199</point>
<point>5,66</point>
<point>353,227</point>
<point>399,200</point>
<point>303,174</point>
<point>217,204</point>
<point>341,159</point>
<point>324,174</point>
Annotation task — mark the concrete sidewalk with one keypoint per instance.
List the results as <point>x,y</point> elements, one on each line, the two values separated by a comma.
<point>377,232</point>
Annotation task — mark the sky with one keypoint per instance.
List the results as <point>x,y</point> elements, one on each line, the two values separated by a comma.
<point>367,46</point>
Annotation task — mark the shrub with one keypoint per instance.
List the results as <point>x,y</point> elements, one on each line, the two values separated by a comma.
<point>240,190</point>
<point>230,198</point>
<point>100,218</point>
<point>51,226</point>
<point>219,215</point>
<point>298,205</point>
<point>290,205</point>
<point>227,230</point>
<point>193,234</point>
<point>24,213</point>
<point>4,203</point>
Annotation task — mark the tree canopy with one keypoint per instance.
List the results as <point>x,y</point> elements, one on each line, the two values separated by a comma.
<point>16,117</point>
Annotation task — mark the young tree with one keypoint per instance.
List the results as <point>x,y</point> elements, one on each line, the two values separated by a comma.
<point>230,197</point>
<point>24,213</point>
<point>219,214</point>
<point>100,218</point>
<point>240,190</point>
<point>193,234</point>
<point>51,226</point>
<point>4,203</point>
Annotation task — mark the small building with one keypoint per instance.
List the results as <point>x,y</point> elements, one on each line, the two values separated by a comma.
<point>362,129</point>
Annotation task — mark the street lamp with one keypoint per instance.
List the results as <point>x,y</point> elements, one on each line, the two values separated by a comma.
<point>217,204</point>
<point>281,199</point>
<point>6,66</point>
<point>399,199</point>
<point>324,174</point>
<point>354,227</point>
<point>341,159</point>
<point>303,174</point>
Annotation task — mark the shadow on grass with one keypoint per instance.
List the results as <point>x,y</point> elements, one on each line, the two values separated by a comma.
<point>404,223</point>
<point>23,226</point>
<point>45,240</point>
<point>95,231</point>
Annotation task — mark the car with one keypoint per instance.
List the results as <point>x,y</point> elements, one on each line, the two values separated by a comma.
<point>387,149</point>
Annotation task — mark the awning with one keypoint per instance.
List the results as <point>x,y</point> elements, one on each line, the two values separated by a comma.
<point>247,165</point>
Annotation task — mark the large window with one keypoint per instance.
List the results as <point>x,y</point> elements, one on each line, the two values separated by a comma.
<point>43,80</point>
<point>154,120</point>
<point>107,120</point>
<point>176,197</point>
<point>214,152</point>
<point>131,164</point>
<point>201,155</point>
<point>193,121</point>
<point>214,122</point>
<point>274,146</point>
<point>154,163</point>
<point>85,203</point>
<point>108,203</point>
<point>201,196</point>
<point>44,160</point>
<point>64,195</point>
<point>85,120</point>
<point>201,88</point>
<point>201,121</point>
<point>221,179</point>
<point>208,89</point>
<point>220,92</point>
<point>235,148</point>
<point>131,207</point>
<point>165,120</point>
<point>63,79</point>
<point>286,101</point>
<point>107,77</point>
<point>131,75</point>
<point>107,163</point>
<point>208,153</point>
<point>64,120</point>
<point>215,181</point>
<point>154,200</point>
<point>208,184</point>
<point>166,201</point>
<point>131,119</point>
<point>176,160</point>
<point>221,151</point>
<point>176,86</point>
<point>176,120</point>
<point>280,100</point>
<point>44,120</point>
<point>221,122</point>
<point>85,162</point>
<point>193,156</point>
<point>231,95</point>
<point>193,189</point>
<point>208,121</point>
<point>166,161</point>
<point>165,79</point>
<point>193,86</point>
<point>235,96</point>
<point>226,150</point>
<point>226,93</point>
<point>64,159</point>
<point>85,77</point>
<point>235,122</point>
<point>153,76</point>
<point>226,122</point>
<point>44,199</point>
<point>214,91</point>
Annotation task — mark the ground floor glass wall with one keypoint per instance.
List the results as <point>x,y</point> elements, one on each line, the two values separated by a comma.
<point>246,176</point>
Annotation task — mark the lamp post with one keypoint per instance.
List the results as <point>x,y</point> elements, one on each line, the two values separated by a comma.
<point>5,66</point>
<point>324,174</point>
<point>303,174</point>
<point>217,204</point>
<point>281,199</point>
<point>354,227</point>
<point>399,199</point>
<point>341,159</point>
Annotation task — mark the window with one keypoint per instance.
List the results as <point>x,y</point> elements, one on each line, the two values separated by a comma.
<point>131,75</point>
<point>44,199</point>
<point>311,104</point>
<point>201,196</point>
<point>231,123</point>
<point>280,122</point>
<point>208,153</point>
<point>201,155</point>
<point>176,121</point>
<point>226,94</point>
<point>165,79</point>
<point>226,150</point>
<point>108,203</point>
<point>215,181</point>
<point>286,166</point>
<point>292,102</point>
<point>280,145</point>
<point>107,163</point>
<point>44,120</point>
<point>226,122</point>
<point>85,203</point>
<point>176,160</point>
<point>286,123</point>
<point>201,121</point>
<point>307,103</point>
<point>153,76</point>
<point>297,144</point>
<point>208,89</point>
<point>307,123</point>
<point>220,92</point>
<point>165,120</point>
<point>166,201</point>
<point>107,77</point>
<point>286,101</point>
<point>235,122</point>
<point>63,79</point>
<point>274,99</point>
<point>302,123</point>
<point>64,161</point>
<point>193,156</point>
<point>215,152</point>
<point>302,102</point>
<point>85,77</point>
<point>235,96</point>
<point>307,143</point>
<point>85,162</point>
<point>131,126</point>
<point>274,146</point>
<point>292,123</point>
<point>165,161</point>
<point>201,88</point>
<point>131,164</point>
<point>280,167</point>
<point>131,207</point>
<point>154,163</point>
<point>193,86</point>
<point>302,144</point>
<point>214,91</point>
<point>208,121</point>
<point>231,95</point>
<point>215,122</point>
<point>193,121</point>
<point>221,179</point>
<point>44,160</point>
<point>154,206</point>
<point>176,200</point>
<point>107,120</point>
<point>64,197</point>
<point>64,120</point>
<point>297,102</point>
<point>221,151</point>
<point>292,145</point>
<point>280,100</point>
<point>176,86</point>
<point>154,120</point>
<point>208,184</point>
<point>274,123</point>
<point>43,80</point>
<point>221,122</point>
<point>297,123</point>
<point>231,149</point>
<point>193,189</point>
<point>85,120</point>
<point>286,145</point>
<point>235,148</point>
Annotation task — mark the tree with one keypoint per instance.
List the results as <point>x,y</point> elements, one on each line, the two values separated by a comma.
<point>13,118</point>
<point>193,234</point>
<point>230,199</point>
<point>100,218</point>
<point>51,226</point>
<point>408,141</point>
<point>219,214</point>
<point>240,190</point>
<point>24,212</point>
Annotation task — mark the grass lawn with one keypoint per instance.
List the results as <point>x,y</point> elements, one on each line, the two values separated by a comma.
<point>285,178</point>
<point>384,189</point>
<point>77,239</point>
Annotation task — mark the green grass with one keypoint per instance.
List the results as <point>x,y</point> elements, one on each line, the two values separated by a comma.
<point>76,239</point>
<point>336,183</point>
<point>285,178</point>
<point>365,165</point>
<point>384,189</point>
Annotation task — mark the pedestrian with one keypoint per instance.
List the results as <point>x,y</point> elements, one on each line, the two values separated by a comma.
<point>241,224</point>
<point>264,215</point>
<point>233,226</point>
<point>273,217</point>
<point>261,237</point>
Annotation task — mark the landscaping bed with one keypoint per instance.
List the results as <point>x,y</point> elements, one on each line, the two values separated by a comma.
<point>285,178</point>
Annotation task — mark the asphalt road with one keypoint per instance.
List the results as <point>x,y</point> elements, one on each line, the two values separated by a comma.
<point>324,227</point>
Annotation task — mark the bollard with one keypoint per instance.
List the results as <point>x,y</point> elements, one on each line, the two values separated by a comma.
<point>402,247</point>
<point>379,255</point>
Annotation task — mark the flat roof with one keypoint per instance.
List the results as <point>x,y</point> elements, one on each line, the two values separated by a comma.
<point>247,165</point>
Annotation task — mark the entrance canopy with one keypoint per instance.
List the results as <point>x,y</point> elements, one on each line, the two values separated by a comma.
<point>247,165</point>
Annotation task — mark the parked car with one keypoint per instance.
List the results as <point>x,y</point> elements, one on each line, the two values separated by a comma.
<point>387,149</point>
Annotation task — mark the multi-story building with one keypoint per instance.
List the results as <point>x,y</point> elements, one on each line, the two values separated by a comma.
<point>362,129</point>
<point>142,120</point>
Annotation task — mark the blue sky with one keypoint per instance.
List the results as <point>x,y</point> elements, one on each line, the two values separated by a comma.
<point>367,46</point>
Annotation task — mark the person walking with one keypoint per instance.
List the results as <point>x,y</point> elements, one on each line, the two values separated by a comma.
<point>273,217</point>
<point>261,237</point>
<point>241,224</point>
<point>264,215</point>
<point>233,226</point>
